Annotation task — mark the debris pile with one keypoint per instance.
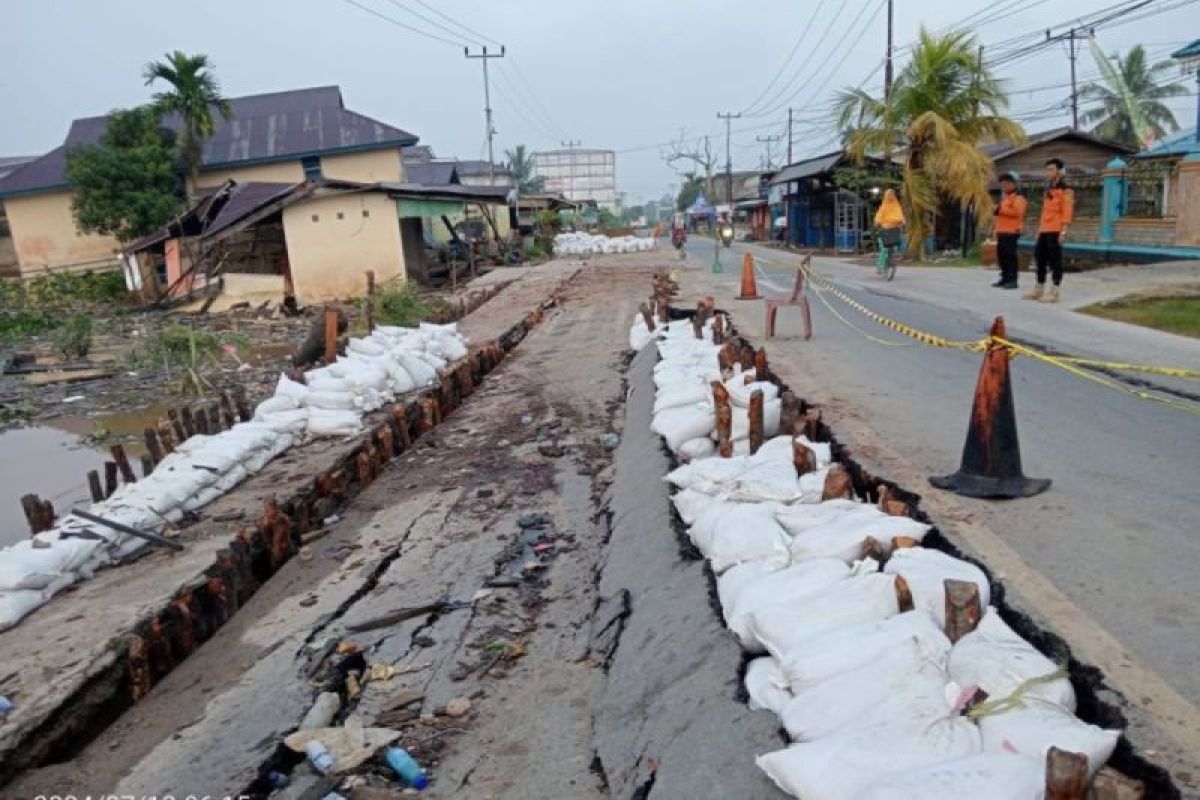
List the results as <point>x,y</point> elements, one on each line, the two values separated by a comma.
<point>888,668</point>
<point>586,244</point>
<point>331,402</point>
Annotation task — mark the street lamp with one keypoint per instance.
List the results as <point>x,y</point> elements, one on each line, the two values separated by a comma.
<point>1189,63</point>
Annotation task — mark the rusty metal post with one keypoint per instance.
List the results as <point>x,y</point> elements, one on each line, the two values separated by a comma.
<point>724,413</point>
<point>110,478</point>
<point>756,420</point>
<point>963,608</point>
<point>1066,775</point>
<point>152,445</point>
<point>118,454</point>
<point>370,301</point>
<point>331,332</point>
<point>93,479</point>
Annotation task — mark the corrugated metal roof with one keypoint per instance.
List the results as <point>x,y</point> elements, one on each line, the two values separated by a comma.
<point>1178,144</point>
<point>807,168</point>
<point>431,173</point>
<point>472,167</point>
<point>245,199</point>
<point>998,150</point>
<point>264,127</point>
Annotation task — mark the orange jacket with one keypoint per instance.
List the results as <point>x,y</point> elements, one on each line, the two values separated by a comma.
<point>1058,209</point>
<point>1010,216</point>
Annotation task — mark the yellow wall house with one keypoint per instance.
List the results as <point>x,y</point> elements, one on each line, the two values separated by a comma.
<point>280,138</point>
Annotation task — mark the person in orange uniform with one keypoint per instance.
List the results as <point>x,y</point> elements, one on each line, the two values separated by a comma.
<point>1058,211</point>
<point>1010,217</point>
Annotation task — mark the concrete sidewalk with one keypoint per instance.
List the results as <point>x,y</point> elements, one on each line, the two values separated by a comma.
<point>969,290</point>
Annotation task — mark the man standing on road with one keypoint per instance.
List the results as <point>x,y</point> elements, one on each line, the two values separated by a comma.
<point>1058,211</point>
<point>1010,217</point>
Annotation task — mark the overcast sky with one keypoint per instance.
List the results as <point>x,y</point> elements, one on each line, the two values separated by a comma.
<point>623,74</point>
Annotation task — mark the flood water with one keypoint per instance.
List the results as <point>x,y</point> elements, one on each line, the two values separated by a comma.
<point>47,462</point>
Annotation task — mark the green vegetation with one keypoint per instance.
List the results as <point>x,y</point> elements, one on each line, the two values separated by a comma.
<point>126,185</point>
<point>1175,314</point>
<point>16,326</point>
<point>58,290</point>
<point>401,305</point>
<point>520,164</point>
<point>534,253</point>
<point>194,95</point>
<point>73,339</point>
<point>1130,100</point>
<point>178,348</point>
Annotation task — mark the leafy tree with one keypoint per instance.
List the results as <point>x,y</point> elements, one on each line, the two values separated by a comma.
<point>943,104</point>
<point>1132,90</point>
<point>520,164</point>
<point>194,95</point>
<point>126,186</point>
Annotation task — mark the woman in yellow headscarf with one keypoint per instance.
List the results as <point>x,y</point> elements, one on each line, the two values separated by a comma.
<point>889,222</point>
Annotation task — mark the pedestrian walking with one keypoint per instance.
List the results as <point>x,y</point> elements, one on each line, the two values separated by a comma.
<point>1010,218</point>
<point>1058,211</point>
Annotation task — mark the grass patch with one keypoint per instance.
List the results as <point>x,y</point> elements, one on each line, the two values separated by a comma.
<point>402,306</point>
<point>55,290</point>
<point>17,326</point>
<point>73,339</point>
<point>184,353</point>
<point>1175,314</point>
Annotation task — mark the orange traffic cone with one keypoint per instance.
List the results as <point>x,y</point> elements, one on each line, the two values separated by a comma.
<point>991,459</point>
<point>749,282</point>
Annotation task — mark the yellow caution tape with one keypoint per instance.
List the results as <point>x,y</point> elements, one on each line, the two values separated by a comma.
<point>1171,372</point>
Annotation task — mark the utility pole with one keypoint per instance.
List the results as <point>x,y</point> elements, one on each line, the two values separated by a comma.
<point>887,67</point>
<point>571,144</point>
<point>728,160</point>
<point>768,140</point>
<point>1070,37</point>
<point>487,106</point>
<point>789,157</point>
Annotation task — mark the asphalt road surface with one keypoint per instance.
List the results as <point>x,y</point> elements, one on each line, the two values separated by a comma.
<point>1117,532</point>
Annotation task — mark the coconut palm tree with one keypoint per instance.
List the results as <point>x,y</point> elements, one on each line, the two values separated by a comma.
<point>942,106</point>
<point>520,164</point>
<point>1132,91</point>
<point>194,95</point>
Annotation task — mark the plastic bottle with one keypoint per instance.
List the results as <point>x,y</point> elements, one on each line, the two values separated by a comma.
<point>406,767</point>
<point>319,756</point>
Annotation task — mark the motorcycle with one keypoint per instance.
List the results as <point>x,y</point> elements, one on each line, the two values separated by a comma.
<point>679,239</point>
<point>726,234</point>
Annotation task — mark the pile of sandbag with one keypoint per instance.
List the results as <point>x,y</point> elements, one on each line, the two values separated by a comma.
<point>331,402</point>
<point>586,244</point>
<point>852,655</point>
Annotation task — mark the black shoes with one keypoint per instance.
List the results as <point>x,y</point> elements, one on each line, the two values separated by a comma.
<point>1003,284</point>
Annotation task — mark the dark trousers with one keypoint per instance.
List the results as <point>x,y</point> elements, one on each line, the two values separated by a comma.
<point>1048,252</point>
<point>1006,254</point>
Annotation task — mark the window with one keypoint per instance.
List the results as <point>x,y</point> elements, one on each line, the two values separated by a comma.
<point>366,212</point>
<point>316,218</point>
<point>312,168</point>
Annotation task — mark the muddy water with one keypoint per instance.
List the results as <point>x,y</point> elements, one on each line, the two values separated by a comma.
<point>45,461</point>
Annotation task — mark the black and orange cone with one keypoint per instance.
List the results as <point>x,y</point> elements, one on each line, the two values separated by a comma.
<point>749,281</point>
<point>991,459</point>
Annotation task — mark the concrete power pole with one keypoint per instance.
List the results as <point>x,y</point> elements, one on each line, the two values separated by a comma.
<point>768,141</point>
<point>1070,36</point>
<point>487,106</point>
<point>887,67</point>
<point>789,157</point>
<point>728,160</point>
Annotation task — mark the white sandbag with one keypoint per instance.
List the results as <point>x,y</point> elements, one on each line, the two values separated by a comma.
<point>272,405</point>
<point>764,685</point>
<point>845,540</point>
<point>740,391</point>
<point>15,604</point>
<point>800,519</point>
<point>842,765</point>
<point>987,776</point>
<point>286,387</point>
<point>793,585</point>
<point>23,566</point>
<point>230,479</point>
<point>730,533</point>
<point>782,628</point>
<point>322,422</point>
<point>422,374</point>
<point>639,334</point>
<point>362,374</point>
<point>735,580</point>
<point>698,448</point>
<point>997,660</point>
<point>1034,728</point>
<point>690,503</point>
<point>926,572</point>
<point>711,476</point>
<point>294,421</point>
<point>678,425</point>
<point>904,679</point>
<point>836,652</point>
<point>453,347</point>
<point>259,458</point>
<point>364,346</point>
<point>822,450</point>
<point>772,410</point>
<point>686,376</point>
<point>682,395</point>
<point>332,401</point>
<point>329,383</point>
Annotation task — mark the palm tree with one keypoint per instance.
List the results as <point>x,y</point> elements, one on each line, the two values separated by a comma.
<point>520,164</point>
<point>194,95</point>
<point>1132,91</point>
<point>942,106</point>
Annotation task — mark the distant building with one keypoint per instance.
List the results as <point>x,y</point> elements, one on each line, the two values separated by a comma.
<point>580,175</point>
<point>480,173</point>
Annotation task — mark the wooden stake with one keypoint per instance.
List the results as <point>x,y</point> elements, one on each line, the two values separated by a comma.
<point>1108,784</point>
<point>724,412</point>
<point>719,329</point>
<point>31,504</point>
<point>147,465</point>
<point>214,418</point>
<point>118,454</point>
<point>963,608</point>
<point>152,445</point>
<point>760,364</point>
<point>243,407</point>
<point>189,422</point>
<point>756,420</point>
<point>110,478</point>
<point>726,357</point>
<point>746,356</point>
<point>838,483</point>
<point>370,301</point>
<point>227,410</point>
<point>181,434</point>
<point>93,479</point>
<point>803,458</point>
<point>647,317</point>
<point>812,424</point>
<point>331,326</point>
<point>1066,775</point>
<point>904,598</point>
<point>164,436</point>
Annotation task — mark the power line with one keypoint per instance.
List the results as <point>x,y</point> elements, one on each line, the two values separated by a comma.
<point>455,22</point>
<point>400,24</point>
<point>801,69</point>
<point>791,54</point>
<point>428,21</point>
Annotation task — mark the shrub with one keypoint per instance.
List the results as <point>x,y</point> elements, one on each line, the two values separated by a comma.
<point>73,339</point>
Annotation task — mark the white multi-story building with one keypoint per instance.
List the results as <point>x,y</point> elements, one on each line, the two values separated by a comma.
<point>580,175</point>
